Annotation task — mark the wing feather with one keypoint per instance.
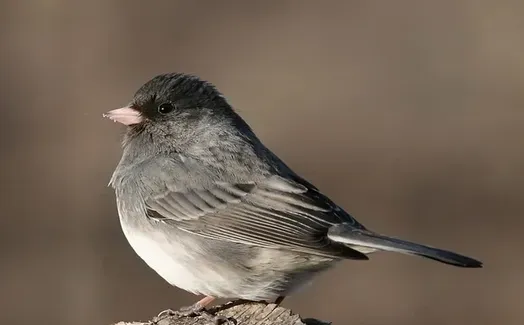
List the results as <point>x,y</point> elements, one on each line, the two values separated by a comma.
<point>277,213</point>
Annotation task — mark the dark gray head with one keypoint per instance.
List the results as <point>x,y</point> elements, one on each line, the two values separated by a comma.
<point>180,110</point>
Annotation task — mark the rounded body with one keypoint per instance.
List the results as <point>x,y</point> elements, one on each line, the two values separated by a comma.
<point>218,268</point>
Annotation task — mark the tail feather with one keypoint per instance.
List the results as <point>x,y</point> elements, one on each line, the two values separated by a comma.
<point>359,237</point>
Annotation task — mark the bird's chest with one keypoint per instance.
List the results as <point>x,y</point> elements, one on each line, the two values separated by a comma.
<point>166,253</point>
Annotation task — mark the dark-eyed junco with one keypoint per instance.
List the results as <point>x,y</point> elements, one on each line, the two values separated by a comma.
<point>213,211</point>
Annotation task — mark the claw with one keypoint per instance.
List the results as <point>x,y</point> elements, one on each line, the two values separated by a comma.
<point>197,309</point>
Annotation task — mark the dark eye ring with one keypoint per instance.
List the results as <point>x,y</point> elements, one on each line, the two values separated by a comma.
<point>165,108</point>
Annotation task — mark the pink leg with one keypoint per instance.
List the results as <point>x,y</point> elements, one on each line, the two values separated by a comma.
<point>194,309</point>
<point>202,303</point>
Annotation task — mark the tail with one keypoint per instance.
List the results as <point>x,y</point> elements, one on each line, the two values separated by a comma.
<point>364,238</point>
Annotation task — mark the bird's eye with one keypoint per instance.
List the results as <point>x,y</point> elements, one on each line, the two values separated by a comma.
<point>165,108</point>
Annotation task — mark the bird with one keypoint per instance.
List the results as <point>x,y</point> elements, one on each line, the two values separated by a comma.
<point>216,213</point>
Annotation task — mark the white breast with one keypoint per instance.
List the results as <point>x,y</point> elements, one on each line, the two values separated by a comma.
<point>167,258</point>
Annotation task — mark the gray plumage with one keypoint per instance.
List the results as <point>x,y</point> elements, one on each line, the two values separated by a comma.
<point>212,210</point>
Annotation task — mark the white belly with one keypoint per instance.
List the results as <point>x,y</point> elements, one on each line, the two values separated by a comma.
<point>167,258</point>
<point>180,259</point>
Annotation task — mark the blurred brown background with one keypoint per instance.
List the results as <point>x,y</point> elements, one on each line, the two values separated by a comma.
<point>409,114</point>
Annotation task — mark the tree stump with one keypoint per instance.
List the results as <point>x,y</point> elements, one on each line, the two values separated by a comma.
<point>244,313</point>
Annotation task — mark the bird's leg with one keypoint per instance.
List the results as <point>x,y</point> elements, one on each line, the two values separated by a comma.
<point>279,300</point>
<point>196,308</point>
<point>193,310</point>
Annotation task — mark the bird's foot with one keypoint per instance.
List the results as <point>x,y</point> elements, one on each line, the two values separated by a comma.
<point>188,311</point>
<point>196,310</point>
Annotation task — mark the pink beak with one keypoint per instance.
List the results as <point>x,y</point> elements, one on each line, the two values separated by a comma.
<point>125,115</point>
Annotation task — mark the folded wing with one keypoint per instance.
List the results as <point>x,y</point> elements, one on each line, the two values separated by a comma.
<point>277,213</point>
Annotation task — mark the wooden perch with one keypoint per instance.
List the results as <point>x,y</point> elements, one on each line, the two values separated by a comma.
<point>246,313</point>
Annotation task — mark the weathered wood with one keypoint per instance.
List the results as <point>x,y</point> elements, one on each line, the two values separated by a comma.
<point>246,313</point>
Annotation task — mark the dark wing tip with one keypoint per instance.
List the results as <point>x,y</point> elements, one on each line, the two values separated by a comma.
<point>469,262</point>
<point>347,235</point>
<point>475,265</point>
<point>462,261</point>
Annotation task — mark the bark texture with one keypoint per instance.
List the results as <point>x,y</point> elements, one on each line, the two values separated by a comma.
<point>246,313</point>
